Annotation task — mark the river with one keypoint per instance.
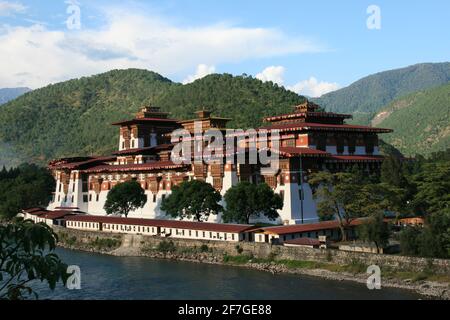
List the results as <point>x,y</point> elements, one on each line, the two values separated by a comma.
<point>110,277</point>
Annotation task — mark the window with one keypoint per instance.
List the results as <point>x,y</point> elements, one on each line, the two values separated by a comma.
<point>232,236</point>
<point>282,194</point>
<point>65,198</point>
<point>59,197</point>
<point>203,234</point>
<point>189,233</point>
<point>85,198</point>
<point>72,199</point>
<point>73,187</point>
<point>90,197</point>
<point>196,234</point>
<point>163,197</point>
<point>218,235</point>
<point>96,197</point>
<point>154,198</point>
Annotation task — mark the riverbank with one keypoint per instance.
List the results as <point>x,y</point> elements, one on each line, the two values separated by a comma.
<point>428,282</point>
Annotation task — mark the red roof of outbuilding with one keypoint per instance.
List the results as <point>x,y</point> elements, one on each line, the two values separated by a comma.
<point>202,226</point>
<point>311,227</point>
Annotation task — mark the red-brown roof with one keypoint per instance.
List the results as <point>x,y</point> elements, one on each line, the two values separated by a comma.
<point>321,126</point>
<point>308,114</point>
<point>146,120</point>
<point>294,151</point>
<point>356,158</point>
<point>303,242</point>
<point>155,165</point>
<point>311,227</point>
<point>56,214</point>
<point>144,150</point>
<point>68,164</point>
<point>203,226</point>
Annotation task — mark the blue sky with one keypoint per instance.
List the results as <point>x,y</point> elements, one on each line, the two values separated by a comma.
<point>310,47</point>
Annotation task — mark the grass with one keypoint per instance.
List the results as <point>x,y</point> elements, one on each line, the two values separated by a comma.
<point>105,243</point>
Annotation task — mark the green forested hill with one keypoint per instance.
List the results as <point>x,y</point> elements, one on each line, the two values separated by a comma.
<point>421,121</point>
<point>244,99</point>
<point>366,96</point>
<point>74,117</point>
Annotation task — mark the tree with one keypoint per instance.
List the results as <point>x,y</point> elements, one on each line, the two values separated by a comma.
<point>23,187</point>
<point>27,255</point>
<point>246,200</point>
<point>336,196</point>
<point>125,197</point>
<point>192,199</point>
<point>433,188</point>
<point>409,240</point>
<point>345,196</point>
<point>375,230</point>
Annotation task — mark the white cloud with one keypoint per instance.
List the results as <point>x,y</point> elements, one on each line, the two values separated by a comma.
<point>272,73</point>
<point>310,87</point>
<point>34,56</point>
<point>313,88</point>
<point>7,8</point>
<point>202,71</point>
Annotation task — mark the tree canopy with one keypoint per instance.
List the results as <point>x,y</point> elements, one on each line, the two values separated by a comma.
<point>24,187</point>
<point>195,199</point>
<point>27,255</point>
<point>125,197</point>
<point>247,200</point>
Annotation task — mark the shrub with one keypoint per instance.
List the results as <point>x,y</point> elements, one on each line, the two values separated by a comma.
<point>166,246</point>
<point>204,248</point>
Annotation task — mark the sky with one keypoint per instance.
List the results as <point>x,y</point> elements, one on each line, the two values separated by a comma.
<point>310,47</point>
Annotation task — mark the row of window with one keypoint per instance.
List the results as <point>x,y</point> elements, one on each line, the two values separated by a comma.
<point>154,230</point>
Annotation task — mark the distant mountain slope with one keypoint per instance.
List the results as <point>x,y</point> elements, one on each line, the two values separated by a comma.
<point>74,117</point>
<point>365,97</point>
<point>8,94</point>
<point>421,121</point>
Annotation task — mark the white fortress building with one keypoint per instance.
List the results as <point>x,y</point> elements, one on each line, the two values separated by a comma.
<point>309,141</point>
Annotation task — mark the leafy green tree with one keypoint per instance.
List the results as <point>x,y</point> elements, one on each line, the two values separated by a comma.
<point>337,196</point>
<point>23,187</point>
<point>247,200</point>
<point>375,230</point>
<point>27,255</point>
<point>433,188</point>
<point>409,241</point>
<point>125,197</point>
<point>192,199</point>
<point>392,172</point>
<point>434,241</point>
<point>345,196</point>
